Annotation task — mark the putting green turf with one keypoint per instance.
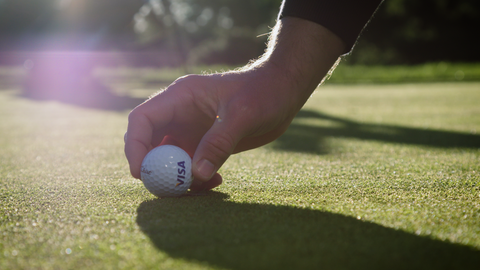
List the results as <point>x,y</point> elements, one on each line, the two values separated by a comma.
<point>369,176</point>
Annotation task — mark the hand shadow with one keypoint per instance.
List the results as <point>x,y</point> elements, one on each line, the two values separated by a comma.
<point>220,233</point>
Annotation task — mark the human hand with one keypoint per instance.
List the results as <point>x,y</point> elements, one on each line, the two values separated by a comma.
<point>214,116</point>
<point>211,117</point>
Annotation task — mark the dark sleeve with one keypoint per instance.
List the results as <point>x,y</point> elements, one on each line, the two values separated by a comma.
<point>345,18</point>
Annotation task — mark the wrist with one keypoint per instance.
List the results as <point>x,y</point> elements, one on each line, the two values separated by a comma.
<point>300,53</point>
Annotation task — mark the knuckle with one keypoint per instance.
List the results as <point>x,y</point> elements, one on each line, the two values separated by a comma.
<point>185,86</point>
<point>186,80</point>
<point>135,115</point>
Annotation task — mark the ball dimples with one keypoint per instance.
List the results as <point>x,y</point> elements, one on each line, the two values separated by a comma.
<point>167,171</point>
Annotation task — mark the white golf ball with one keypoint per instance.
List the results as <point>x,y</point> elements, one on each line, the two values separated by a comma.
<point>167,171</point>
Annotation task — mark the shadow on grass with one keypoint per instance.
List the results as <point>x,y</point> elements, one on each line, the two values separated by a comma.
<point>68,78</point>
<point>310,138</point>
<point>219,233</point>
<point>89,93</point>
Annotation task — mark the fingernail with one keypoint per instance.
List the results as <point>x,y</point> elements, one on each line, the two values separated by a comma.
<point>205,168</point>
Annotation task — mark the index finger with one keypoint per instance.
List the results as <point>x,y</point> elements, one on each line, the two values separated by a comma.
<point>155,114</point>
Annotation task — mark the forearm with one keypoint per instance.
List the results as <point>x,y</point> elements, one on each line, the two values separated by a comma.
<point>300,53</point>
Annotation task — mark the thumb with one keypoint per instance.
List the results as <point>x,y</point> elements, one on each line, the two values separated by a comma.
<point>213,150</point>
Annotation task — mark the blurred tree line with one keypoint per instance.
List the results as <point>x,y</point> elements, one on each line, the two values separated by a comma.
<point>206,31</point>
<point>188,32</point>
<point>66,24</point>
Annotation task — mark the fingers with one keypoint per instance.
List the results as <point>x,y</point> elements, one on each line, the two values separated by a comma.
<point>214,149</point>
<point>142,122</point>
<point>214,182</point>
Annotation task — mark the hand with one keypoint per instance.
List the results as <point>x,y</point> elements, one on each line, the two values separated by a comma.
<point>211,117</point>
<point>214,116</point>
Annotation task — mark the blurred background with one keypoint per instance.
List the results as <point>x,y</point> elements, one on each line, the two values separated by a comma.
<point>59,43</point>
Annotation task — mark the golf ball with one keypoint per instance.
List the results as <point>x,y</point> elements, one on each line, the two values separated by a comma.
<point>167,171</point>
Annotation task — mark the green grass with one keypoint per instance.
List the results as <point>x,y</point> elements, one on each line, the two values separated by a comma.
<point>431,72</point>
<point>125,78</point>
<point>367,177</point>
